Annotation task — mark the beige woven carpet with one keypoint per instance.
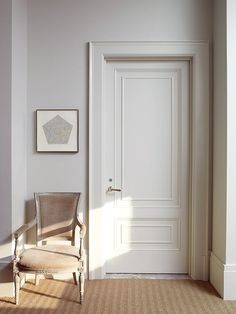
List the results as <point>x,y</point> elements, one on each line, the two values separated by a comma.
<point>120,296</point>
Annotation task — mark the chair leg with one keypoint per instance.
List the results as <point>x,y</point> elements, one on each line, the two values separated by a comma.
<point>75,278</point>
<point>81,285</point>
<point>17,286</point>
<point>36,282</point>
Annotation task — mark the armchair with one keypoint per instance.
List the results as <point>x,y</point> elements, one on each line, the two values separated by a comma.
<point>56,220</point>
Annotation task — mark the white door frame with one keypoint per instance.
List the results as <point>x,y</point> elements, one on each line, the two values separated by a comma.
<point>197,53</point>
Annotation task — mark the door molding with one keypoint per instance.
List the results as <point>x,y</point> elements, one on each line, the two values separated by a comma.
<point>197,53</point>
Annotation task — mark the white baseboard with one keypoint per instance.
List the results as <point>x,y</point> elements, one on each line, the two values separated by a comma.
<point>217,274</point>
<point>223,277</point>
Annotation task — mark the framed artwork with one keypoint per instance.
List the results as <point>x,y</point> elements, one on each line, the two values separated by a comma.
<point>57,130</point>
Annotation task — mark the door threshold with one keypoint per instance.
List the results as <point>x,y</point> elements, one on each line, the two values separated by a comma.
<point>147,276</point>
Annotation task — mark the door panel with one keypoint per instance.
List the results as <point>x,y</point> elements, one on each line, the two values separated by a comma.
<point>141,109</point>
<point>143,234</point>
<point>146,155</point>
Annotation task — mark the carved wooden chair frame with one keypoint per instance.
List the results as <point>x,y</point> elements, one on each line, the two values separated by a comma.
<point>17,252</point>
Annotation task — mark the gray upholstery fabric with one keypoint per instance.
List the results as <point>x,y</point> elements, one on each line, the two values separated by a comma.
<point>50,257</point>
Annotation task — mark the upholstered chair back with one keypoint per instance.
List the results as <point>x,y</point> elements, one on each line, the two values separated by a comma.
<point>56,215</point>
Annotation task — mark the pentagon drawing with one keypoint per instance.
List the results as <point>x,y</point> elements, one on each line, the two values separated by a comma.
<point>57,130</point>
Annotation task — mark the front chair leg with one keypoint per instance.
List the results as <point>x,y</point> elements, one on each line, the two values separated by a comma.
<point>17,286</point>
<point>81,285</point>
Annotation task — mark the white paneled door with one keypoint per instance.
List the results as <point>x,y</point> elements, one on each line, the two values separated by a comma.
<point>146,166</point>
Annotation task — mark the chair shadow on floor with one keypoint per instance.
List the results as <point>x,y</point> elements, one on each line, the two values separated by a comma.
<point>61,298</point>
<point>7,304</point>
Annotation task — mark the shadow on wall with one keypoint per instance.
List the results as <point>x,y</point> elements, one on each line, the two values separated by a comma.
<point>6,267</point>
<point>6,270</point>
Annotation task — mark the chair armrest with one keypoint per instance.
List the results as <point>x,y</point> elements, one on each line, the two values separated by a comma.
<point>24,228</point>
<point>17,234</point>
<point>82,228</point>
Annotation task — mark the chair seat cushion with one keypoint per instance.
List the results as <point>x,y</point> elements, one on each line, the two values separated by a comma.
<point>50,257</point>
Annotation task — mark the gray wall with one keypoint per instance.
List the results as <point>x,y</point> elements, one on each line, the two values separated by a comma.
<point>19,111</point>
<point>58,35</point>
<point>5,144</point>
<point>5,127</point>
<point>13,121</point>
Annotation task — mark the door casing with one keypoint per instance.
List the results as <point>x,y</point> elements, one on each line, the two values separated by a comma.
<point>197,53</point>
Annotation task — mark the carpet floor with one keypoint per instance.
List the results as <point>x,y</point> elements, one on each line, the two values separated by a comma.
<point>119,296</point>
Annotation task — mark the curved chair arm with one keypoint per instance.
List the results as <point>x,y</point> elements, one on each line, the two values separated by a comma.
<point>18,233</point>
<point>82,235</point>
<point>82,228</point>
<point>24,228</point>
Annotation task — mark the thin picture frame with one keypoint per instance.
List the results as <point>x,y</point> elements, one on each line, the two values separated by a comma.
<point>57,130</point>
